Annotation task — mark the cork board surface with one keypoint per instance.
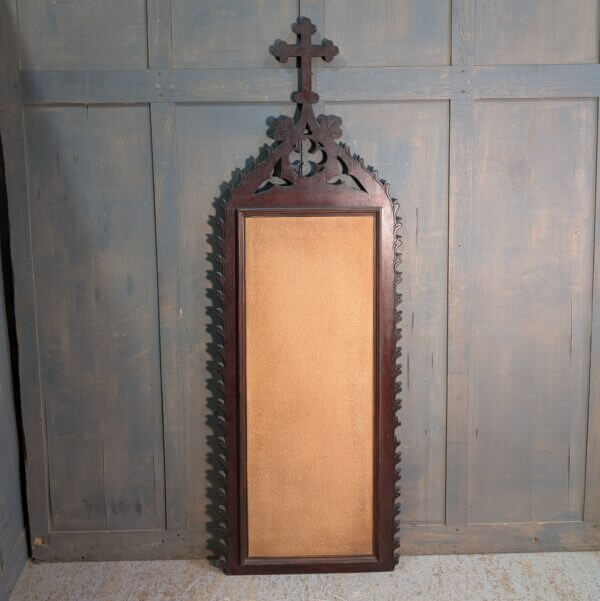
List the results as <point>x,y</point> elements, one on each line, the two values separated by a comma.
<point>309,294</point>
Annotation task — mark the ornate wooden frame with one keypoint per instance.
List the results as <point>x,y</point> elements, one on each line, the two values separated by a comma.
<point>326,178</point>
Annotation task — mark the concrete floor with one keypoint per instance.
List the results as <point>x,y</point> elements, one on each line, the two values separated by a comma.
<point>522,577</point>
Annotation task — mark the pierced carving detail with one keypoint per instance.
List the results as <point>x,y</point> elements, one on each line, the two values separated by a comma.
<point>305,146</point>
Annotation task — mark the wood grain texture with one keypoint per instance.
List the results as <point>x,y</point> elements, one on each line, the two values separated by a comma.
<point>526,537</point>
<point>60,34</point>
<point>112,545</point>
<point>409,144</point>
<point>13,537</point>
<point>13,547</point>
<point>463,23</point>
<point>309,315</point>
<point>92,223</point>
<point>168,263</point>
<point>364,84</point>
<point>591,510</point>
<point>536,31</point>
<point>460,199</point>
<point>160,47</point>
<point>531,252</point>
<point>404,32</point>
<point>10,91</point>
<point>228,33</point>
<point>13,143</point>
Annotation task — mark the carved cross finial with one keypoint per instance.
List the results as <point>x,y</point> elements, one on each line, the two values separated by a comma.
<point>305,51</point>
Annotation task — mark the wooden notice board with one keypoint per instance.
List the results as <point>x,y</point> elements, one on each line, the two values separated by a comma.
<point>310,354</point>
<point>309,301</point>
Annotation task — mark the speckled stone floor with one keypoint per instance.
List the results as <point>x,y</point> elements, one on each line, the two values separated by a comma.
<point>522,577</point>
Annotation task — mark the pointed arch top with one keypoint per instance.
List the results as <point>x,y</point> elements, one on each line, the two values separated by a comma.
<point>306,152</point>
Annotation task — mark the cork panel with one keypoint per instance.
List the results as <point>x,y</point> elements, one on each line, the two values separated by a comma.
<point>309,286</point>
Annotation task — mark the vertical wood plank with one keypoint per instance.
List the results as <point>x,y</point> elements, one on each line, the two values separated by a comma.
<point>386,33</point>
<point>11,512</point>
<point>315,11</point>
<point>463,31</point>
<point>12,136</point>
<point>591,511</point>
<point>459,314</point>
<point>61,34</point>
<point>92,223</point>
<point>33,408</point>
<point>460,198</point>
<point>230,33</point>
<point>166,207</point>
<point>160,51</point>
<point>531,289</point>
<point>511,32</point>
<point>12,533</point>
<point>166,198</point>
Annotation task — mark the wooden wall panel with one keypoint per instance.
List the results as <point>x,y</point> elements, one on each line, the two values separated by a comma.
<point>13,537</point>
<point>13,541</point>
<point>408,143</point>
<point>591,509</point>
<point>213,142</point>
<point>87,34</point>
<point>532,246</point>
<point>403,32</point>
<point>229,33</point>
<point>497,204</point>
<point>92,224</point>
<point>535,31</point>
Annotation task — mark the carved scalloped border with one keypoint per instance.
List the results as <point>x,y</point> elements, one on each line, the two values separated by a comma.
<point>222,456</point>
<point>219,363</point>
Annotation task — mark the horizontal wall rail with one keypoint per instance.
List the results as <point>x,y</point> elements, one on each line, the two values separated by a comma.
<point>346,84</point>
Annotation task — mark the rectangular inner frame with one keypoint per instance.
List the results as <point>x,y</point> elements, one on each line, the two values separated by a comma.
<point>308,304</point>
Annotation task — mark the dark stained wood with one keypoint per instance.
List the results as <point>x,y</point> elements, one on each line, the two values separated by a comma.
<point>304,50</point>
<point>338,184</point>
